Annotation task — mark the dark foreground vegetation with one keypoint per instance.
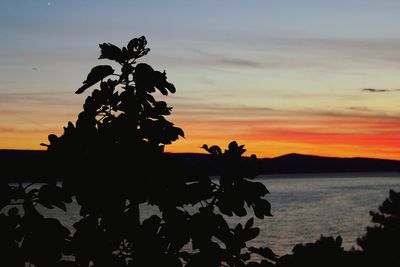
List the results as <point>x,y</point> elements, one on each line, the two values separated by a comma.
<point>29,165</point>
<point>120,137</point>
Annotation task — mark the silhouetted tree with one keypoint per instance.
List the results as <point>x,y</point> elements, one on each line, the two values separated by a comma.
<point>381,243</point>
<point>327,252</point>
<point>112,162</point>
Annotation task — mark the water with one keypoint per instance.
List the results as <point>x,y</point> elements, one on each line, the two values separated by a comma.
<point>305,207</point>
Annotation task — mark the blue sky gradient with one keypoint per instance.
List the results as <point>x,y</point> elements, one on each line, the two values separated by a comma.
<point>234,62</point>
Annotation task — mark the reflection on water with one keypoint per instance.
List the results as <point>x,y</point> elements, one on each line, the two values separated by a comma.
<point>306,206</point>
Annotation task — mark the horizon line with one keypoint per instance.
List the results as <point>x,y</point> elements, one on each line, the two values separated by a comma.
<point>200,153</point>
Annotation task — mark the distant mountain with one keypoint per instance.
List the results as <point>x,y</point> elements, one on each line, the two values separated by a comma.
<point>27,164</point>
<point>298,163</point>
<point>22,165</point>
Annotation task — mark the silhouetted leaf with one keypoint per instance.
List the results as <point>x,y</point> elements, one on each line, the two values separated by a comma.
<point>262,208</point>
<point>160,82</point>
<point>249,223</point>
<point>235,150</point>
<point>213,150</point>
<point>53,139</point>
<point>224,207</point>
<point>245,256</point>
<point>96,74</point>
<point>137,47</point>
<point>52,195</point>
<point>152,224</point>
<point>239,210</point>
<point>111,52</point>
<point>250,234</point>
<point>265,252</point>
<point>179,131</point>
<point>259,189</point>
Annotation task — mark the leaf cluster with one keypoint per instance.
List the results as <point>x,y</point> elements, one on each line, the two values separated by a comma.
<point>381,242</point>
<point>26,235</point>
<point>112,164</point>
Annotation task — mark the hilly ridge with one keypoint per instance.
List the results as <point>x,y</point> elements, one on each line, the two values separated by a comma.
<point>16,165</point>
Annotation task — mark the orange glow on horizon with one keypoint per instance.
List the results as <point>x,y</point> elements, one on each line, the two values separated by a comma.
<point>374,137</point>
<point>270,149</point>
<point>336,146</point>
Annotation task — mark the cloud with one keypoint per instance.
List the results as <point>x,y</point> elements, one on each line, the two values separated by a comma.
<point>34,98</point>
<point>25,131</point>
<point>235,61</point>
<point>339,55</point>
<point>360,109</point>
<point>350,48</point>
<point>196,111</point>
<point>219,59</point>
<point>374,90</point>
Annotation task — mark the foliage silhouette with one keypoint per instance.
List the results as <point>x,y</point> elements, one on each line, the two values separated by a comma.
<point>327,252</point>
<point>381,242</point>
<point>112,162</point>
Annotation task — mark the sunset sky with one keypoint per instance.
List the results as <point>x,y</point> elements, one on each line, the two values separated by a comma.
<point>312,77</point>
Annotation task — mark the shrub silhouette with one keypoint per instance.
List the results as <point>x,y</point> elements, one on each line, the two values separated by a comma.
<point>112,162</point>
<point>326,251</point>
<point>381,242</point>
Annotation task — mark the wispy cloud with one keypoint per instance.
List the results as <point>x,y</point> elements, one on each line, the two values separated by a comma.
<point>217,107</point>
<point>272,52</point>
<point>47,98</point>
<point>360,109</point>
<point>24,131</point>
<point>233,61</point>
<point>374,90</point>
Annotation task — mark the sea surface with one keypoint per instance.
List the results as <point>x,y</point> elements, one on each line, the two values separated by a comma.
<point>306,206</point>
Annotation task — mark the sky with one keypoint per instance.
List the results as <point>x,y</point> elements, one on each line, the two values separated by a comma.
<point>311,77</point>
